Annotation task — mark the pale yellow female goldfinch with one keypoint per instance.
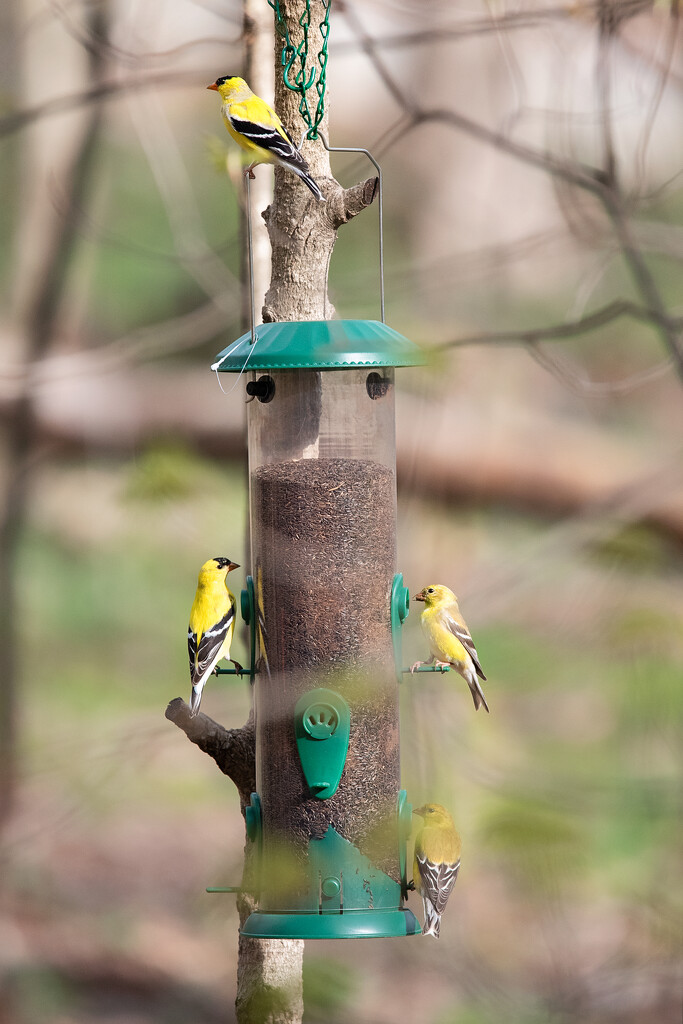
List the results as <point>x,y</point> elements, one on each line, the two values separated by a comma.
<point>212,623</point>
<point>449,638</point>
<point>255,126</point>
<point>436,864</point>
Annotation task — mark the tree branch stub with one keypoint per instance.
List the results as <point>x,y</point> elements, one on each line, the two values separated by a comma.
<point>233,750</point>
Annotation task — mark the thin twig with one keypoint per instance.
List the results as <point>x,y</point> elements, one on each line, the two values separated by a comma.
<point>560,332</point>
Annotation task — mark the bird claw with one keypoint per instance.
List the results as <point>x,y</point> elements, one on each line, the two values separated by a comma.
<point>416,664</point>
<point>249,173</point>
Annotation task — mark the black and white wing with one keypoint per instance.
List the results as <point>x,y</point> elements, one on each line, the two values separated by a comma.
<point>267,137</point>
<point>436,881</point>
<point>462,633</point>
<point>205,655</point>
<point>280,146</point>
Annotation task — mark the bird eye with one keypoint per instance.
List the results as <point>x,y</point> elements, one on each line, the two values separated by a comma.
<point>431,590</point>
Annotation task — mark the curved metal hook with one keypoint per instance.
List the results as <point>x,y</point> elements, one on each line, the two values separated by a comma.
<point>368,154</point>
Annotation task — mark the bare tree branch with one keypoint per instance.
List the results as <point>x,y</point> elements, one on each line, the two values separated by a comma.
<point>600,182</point>
<point>510,20</point>
<point>96,94</point>
<point>607,24</point>
<point>669,329</point>
<point>233,750</point>
<point>561,332</point>
<point>664,73</point>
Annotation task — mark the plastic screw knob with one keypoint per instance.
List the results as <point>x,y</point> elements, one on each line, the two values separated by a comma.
<point>330,887</point>
<point>320,721</point>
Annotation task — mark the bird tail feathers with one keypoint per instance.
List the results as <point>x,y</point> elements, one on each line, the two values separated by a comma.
<point>477,693</point>
<point>432,919</point>
<point>195,700</point>
<point>306,178</point>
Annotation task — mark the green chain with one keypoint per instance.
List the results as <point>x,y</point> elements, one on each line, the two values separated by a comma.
<point>304,78</point>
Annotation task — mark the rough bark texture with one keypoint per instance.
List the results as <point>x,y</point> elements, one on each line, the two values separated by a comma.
<point>302,236</point>
<point>231,749</point>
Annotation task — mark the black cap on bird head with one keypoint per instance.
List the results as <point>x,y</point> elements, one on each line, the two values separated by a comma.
<point>221,81</point>
<point>225,563</point>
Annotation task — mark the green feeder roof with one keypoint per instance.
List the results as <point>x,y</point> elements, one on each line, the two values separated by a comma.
<point>319,345</point>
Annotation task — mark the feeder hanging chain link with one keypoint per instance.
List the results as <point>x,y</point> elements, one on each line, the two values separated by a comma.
<point>304,77</point>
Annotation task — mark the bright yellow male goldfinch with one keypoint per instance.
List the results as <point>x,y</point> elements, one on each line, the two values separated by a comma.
<point>449,638</point>
<point>212,623</point>
<point>436,864</point>
<point>255,127</point>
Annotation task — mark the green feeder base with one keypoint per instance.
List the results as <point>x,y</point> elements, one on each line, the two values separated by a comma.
<point>352,924</point>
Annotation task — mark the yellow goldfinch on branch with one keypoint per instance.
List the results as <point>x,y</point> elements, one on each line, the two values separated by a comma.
<point>436,863</point>
<point>212,623</point>
<point>449,638</point>
<point>255,126</point>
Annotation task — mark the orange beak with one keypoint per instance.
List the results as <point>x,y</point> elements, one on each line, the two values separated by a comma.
<point>213,86</point>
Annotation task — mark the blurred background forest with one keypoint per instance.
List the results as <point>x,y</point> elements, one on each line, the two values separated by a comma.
<point>533,161</point>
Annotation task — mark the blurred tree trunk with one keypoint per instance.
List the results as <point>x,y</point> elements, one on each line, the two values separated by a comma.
<point>55,177</point>
<point>9,17</point>
<point>259,73</point>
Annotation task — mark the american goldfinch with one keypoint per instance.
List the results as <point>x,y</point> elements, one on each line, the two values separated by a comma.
<point>212,623</point>
<point>449,638</point>
<point>256,128</point>
<point>436,864</point>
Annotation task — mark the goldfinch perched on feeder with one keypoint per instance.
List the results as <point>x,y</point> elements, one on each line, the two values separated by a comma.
<point>449,638</point>
<point>436,864</point>
<point>212,623</point>
<point>255,126</point>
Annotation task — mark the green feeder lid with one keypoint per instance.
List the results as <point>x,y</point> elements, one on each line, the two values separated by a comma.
<point>319,345</point>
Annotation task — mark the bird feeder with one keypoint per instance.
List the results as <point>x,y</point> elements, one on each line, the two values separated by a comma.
<point>329,817</point>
